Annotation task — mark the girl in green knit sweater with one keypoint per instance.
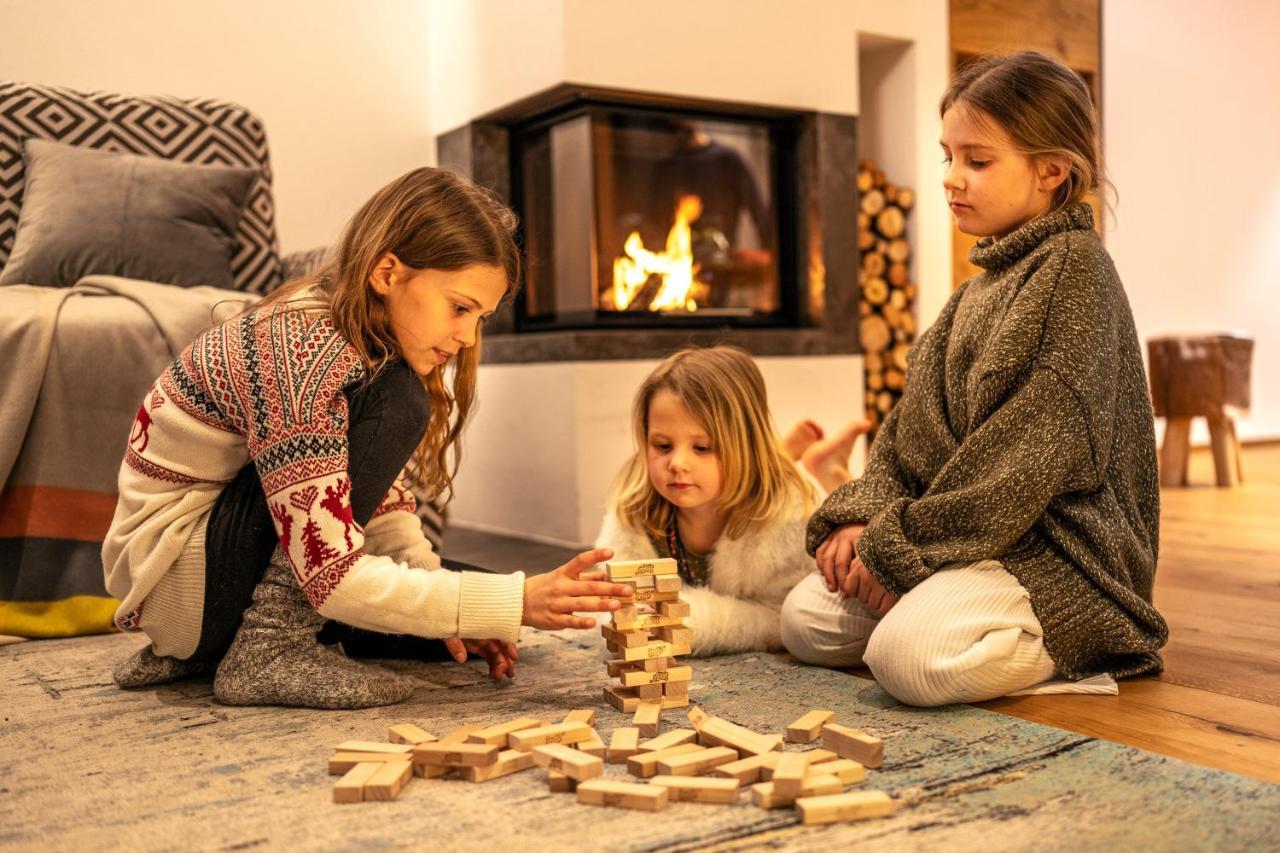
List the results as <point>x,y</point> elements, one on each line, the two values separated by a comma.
<point>1003,537</point>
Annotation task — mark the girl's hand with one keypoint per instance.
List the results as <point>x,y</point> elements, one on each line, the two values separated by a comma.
<point>550,600</point>
<point>836,553</point>
<point>500,656</point>
<point>862,585</point>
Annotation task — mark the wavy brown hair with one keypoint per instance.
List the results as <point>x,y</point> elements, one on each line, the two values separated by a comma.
<point>724,392</point>
<point>1043,105</point>
<point>429,219</point>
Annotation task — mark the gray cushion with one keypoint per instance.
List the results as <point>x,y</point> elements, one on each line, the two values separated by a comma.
<point>88,211</point>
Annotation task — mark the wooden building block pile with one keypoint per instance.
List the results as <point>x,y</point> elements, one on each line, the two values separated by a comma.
<point>645,639</point>
<point>710,763</point>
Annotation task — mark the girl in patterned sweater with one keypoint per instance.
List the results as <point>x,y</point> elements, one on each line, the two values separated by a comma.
<point>264,487</point>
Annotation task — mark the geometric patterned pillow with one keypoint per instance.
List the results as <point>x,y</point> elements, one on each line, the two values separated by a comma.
<point>202,131</point>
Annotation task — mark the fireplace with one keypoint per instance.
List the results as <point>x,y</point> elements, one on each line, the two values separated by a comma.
<point>650,222</point>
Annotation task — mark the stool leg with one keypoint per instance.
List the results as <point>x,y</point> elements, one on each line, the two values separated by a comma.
<point>1235,442</point>
<point>1226,462</point>
<point>1174,453</point>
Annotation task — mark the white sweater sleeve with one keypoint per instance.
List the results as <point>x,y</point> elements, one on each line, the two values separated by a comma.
<point>723,624</point>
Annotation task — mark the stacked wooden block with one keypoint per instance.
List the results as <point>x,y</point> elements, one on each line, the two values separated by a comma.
<point>646,638</point>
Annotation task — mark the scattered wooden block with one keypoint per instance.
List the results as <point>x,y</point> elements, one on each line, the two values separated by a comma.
<point>647,718</point>
<point>623,744</point>
<point>815,756</point>
<point>497,735</point>
<point>767,796</point>
<point>557,781</point>
<point>388,781</point>
<point>789,774</point>
<point>807,728</point>
<point>409,733</point>
<point>456,754</point>
<point>854,805</point>
<point>851,743</point>
<point>696,715</point>
<point>846,770</point>
<point>693,789</point>
<point>592,745</point>
<point>696,763</point>
<point>717,731</point>
<point>626,569</point>
<point>350,788</point>
<point>626,795</point>
<point>675,737</point>
<point>509,761</point>
<point>676,609</point>
<point>571,762</point>
<point>675,673</point>
<point>581,715</point>
<point>341,762</point>
<point>401,749</point>
<point>565,733</point>
<point>645,764</point>
<point>747,770</point>
<point>458,735</point>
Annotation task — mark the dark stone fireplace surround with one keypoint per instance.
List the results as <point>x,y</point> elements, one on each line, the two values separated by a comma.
<point>826,257</point>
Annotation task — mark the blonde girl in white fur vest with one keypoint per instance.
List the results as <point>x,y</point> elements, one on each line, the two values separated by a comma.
<point>712,486</point>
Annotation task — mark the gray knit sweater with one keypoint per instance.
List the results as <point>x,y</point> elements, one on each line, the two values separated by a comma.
<point>1025,435</point>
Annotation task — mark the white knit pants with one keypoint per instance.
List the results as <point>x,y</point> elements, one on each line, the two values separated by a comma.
<point>965,634</point>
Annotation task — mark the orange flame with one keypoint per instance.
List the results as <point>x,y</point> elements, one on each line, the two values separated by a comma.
<point>675,264</point>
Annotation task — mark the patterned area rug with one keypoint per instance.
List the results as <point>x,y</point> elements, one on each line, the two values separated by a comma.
<point>84,765</point>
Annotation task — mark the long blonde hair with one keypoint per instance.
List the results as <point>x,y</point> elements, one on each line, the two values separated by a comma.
<point>724,392</point>
<point>429,219</point>
<point>1044,106</point>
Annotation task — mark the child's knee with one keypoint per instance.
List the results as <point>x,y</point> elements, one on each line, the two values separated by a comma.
<point>818,627</point>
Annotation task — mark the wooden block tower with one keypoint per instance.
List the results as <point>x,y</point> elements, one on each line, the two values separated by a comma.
<point>647,637</point>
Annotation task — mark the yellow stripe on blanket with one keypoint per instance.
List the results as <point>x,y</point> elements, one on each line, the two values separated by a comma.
<point>79,614</point>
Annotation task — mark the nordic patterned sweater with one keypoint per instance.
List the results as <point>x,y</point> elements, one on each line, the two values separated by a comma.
<point>1025,435</point>
<point>268,387</point>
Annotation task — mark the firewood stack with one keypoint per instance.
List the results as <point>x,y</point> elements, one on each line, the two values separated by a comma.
<point>888,325</point>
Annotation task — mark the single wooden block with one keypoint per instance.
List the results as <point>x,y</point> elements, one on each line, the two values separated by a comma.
<point>401,749</point>
<point>626,795</point>
<point>748,770</point>
<point>697,715</point>
<point>648,692</point>
<point>565,733</point>
<point>807,728</point>
<point>819,755</point>
<point>341,762</point>
<point>696,763</point>
<point>647,719</point>
<point>592,745</point>
<point>558,782</point>
<point>389,781</point>
<point>639,582</point>
<point>667,583</point>
<point>674,609</point>
<point>815,756</point>
<point>846,770</point>
<point>681,701</point>
<point>675,737</point>
<point>767,796</point>
<point>497,735</point>
<point>648,650</point>
<point>626,700</point>
<point>624,569</point>
<point>458,735</point>
<point>350,788</point>
<point>694,789</point>
<point>509,761</point>
<point>625,639</point>
<point>581,715</point>
<point>656,664</point>
<point>851,743</point>
<point>649,621</point>
<point>652,595</point>
<point>676,690</point>
<point>645,764</point>
<point>623,744</point>
<point>717,731</point>
<point>678,637</point>
<point>854,805</point>
<point>789,773</point>
<point>675,673</point>
<point>569,761</point>
<point>456,754</point>
<point>409,733</point>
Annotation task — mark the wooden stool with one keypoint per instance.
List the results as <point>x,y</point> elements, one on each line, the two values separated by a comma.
<point>1200,376</point>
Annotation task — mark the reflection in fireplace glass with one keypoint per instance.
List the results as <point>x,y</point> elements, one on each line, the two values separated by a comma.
<point>649,217</point>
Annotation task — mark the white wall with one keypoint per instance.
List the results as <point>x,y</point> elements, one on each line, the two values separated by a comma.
<point>343,86</point>
<point>1192,127</point>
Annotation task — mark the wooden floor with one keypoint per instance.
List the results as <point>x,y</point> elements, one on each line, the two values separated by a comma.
<point>1218,585</point>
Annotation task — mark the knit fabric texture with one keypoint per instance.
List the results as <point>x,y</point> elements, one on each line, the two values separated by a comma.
<point>1025,435</point>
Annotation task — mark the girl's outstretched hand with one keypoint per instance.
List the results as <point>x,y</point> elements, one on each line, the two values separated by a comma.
<point>550,600</point>
<point>837,552</point>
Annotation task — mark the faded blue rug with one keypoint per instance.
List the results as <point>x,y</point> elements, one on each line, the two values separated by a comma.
<point>84,765</point>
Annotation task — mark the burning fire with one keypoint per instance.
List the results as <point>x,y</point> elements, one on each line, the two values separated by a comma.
<point>675,265</point>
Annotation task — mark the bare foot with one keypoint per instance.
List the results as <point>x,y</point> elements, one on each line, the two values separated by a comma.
<point>800,438</point>
<point>828,459</point>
